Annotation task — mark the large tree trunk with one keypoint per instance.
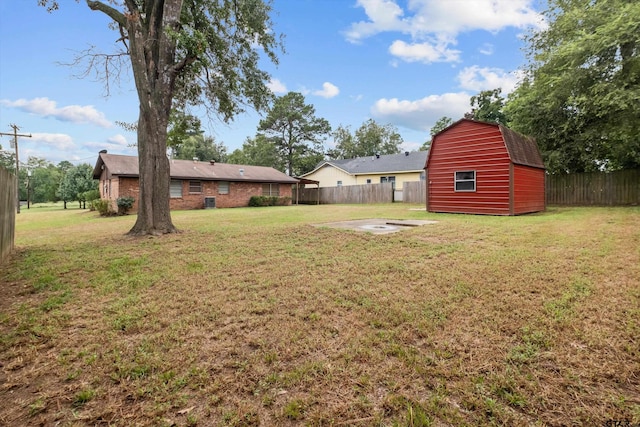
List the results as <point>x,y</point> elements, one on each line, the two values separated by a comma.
<point>152,55</point>
<point>153,203</point>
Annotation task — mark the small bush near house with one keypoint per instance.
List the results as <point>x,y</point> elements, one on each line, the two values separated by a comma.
<point>102,206</point>
<point>268,201</point>
<point>124,204</point>
<point>90,195</point>
<point>92,205</point>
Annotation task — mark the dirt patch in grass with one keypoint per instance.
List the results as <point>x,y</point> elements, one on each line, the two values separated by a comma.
<point>377,225</point>
<point>256,317</point>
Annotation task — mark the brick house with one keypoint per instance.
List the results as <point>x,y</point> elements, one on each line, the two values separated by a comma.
<point>194,184</point>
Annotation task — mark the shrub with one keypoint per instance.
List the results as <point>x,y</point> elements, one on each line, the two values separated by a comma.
<point>103,207</point>
<point>255,201</point>
<point>259,201</point>
<point>283,201</point>
<point>124,204</point>
<point>90,195</point>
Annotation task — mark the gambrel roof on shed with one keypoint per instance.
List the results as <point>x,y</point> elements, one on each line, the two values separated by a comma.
<point>522,150</point>
<point>127,166</point>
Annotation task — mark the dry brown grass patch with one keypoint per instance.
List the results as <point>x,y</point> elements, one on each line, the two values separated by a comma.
<point>254,317</point>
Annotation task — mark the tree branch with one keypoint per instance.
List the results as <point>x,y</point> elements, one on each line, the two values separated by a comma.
<point>111,12</point>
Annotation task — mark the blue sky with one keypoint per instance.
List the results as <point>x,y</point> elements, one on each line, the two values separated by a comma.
<point>406,63</point>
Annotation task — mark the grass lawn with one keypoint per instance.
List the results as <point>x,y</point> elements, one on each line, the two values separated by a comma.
<point>253,316</point>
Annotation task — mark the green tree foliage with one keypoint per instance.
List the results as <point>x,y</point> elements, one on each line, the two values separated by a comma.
<point>202,147</point>
<point>185,53</point>
<point>8,160</point>
<point>296,132</point>
<point>75,183</point>
<point>441,124</point>
<point>258,151</point>
<point>369,139</point>
<point>40,178</point>
<point>181,127</point>
<point>487,106</point>
<point>581,95</point>
<point>64,166</point>
<point>44,183</point>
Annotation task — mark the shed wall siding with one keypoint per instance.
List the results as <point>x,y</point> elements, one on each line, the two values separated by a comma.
<point>529,188</point>
<point>469,146</point>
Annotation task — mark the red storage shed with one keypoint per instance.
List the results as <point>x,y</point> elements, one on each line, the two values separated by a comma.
<point>484,168</point>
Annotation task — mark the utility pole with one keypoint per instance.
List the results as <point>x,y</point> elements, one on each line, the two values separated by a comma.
<point>15,135</point>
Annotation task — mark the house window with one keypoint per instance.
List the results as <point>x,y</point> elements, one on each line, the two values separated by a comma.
<point>465,180</point>
<point>223,187</point>
<point>339,183</point>
<point>391,179</point>
<point>368,181</point>
<point>270,189</point>
<point>195,186</point>
<point>175,190</point>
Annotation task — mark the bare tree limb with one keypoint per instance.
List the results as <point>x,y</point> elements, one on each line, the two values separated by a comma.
<point>102,66</point>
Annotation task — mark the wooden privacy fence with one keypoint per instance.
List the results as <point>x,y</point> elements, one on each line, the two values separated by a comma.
<point>621,188</point>
<point>415,192</point>
<point>368,193</point>
<point>597,188</point>
<point>8,199</point>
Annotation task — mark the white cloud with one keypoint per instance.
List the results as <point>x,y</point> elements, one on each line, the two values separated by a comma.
<point>446,19</point>
<point>117,143</point>
<point>476,79</point>
<point>421,114</point>
<point>384,15</point>
<point>118,140</point>
<point>328,90</point>
<point>439,22</point>
<point>276,86</point>
<point>486,49</point>
<point>59,141</point>
<point>71,113</point>
<point>423,52</point>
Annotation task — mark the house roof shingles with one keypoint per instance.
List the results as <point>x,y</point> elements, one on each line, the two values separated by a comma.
<point>188,169</point>
<point>411,162</point>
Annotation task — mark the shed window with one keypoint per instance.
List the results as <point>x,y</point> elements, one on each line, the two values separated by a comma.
<point>339,183</point>
<point>223,187</point>
<point>195,186</point>
<point>175,190</point>
<point>270,189</point>
<point>368,181</point>
<point>465,180</point>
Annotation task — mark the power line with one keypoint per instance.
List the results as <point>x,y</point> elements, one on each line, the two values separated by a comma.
<point>15,135</point>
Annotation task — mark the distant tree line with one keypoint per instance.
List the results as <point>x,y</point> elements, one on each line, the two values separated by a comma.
<point>41,181</point>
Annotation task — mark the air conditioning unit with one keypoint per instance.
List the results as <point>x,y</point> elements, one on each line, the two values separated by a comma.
<point>209,202</point>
